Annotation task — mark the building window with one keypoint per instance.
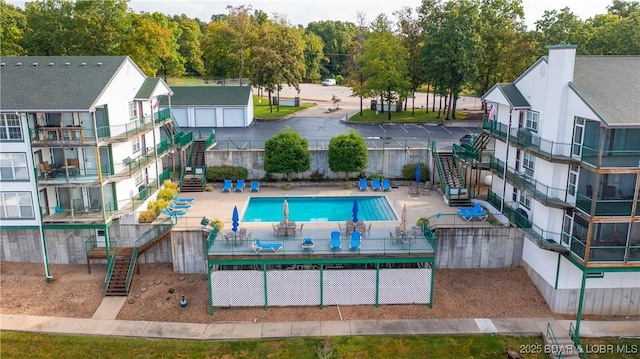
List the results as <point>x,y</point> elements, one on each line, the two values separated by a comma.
<point>10,128</point>
<point>525,200</point>
<point>135,144</point>
<point>133,110</point>
<point>13,166</point>
<point>139,178</point>
<point>532,120</point>
<point>528,163</point>
<point>16,205</point>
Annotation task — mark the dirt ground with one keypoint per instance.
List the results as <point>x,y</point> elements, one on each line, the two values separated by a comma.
<point>156,293</point>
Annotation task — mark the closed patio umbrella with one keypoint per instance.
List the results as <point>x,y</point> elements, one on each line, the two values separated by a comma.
<point>403,222</point>
<point>354,211</point>
<point>285,210</point>
<point>418,170</point>
<point>235,219</point>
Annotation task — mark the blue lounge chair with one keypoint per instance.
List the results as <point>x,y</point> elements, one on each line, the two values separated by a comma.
<point>363,184</point>
<point>354,243</point>
<point>226,187</point>
<point>239,186</point>
<point>375,184</point>
<point>475,208</point>
<point>183,199</point>
<point>386,186</point>
<point>173,213</point>
<point>336,243</point>
<point>255,186</point>
<point>174,205</point>
<point>258,246</point>
<point>307,244</point>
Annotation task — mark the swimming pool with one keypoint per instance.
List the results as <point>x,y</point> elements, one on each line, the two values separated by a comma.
<point>318,209</point>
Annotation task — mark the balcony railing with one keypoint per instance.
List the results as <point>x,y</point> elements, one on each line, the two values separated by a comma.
<point>550,150</point>
<point>549,196</point>
<point>496,165</point>
<point>134,127</point>
<point>211,139</point>
<point>70,135</point>
<point>619,158</point>
<point>615,207</point>
<point>129,166</point>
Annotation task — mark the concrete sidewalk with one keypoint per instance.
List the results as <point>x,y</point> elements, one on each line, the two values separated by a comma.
<point>244,330</point>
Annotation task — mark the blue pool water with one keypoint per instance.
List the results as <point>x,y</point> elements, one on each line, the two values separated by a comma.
<point>269,209</point>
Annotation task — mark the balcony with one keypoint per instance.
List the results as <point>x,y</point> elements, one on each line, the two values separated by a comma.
<point>496,165</point>
<point>129,167</point>
<point>527,140</point>
<point>606,208</point>
<point>611,159</point>
<point>119,133</point>
<point>53,136</point>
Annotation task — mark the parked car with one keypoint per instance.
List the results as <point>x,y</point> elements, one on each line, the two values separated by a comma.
<point>329,82</point>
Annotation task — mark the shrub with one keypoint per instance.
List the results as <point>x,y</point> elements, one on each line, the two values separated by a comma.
<point>286,186</point>
<point>217,222</point>
<point>208,187</point>
<point>166,193</point>
<point>147,216</point>
<point>157,206</point>
<point>317,176</point>
<point>169,184</point>
<point>409,172</point>
<point>422,220</point>
<point>380,177</point>
<point>348,185</point>
<point>220,173</point>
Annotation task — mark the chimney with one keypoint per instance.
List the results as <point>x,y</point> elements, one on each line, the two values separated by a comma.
<point>562,60</point>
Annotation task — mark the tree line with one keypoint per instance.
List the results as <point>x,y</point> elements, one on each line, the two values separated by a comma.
<point>447,46</point>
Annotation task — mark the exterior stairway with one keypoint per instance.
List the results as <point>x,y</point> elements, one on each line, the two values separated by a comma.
<point>458,195</point>
<point>118,282</point>
<point>126,260</point>
<point>192,178</point>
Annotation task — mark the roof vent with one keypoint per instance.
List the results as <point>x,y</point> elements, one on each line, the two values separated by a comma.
<point>67,64</point>
<point>19,64</point>
<point>51,64</point>
<point>35,64</point>
<point>83,64</point>
<point>3,64</point>
<point>99,63</point>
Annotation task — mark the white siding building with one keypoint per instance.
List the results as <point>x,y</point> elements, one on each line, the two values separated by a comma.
<point>567,130</point>
<point>81,146</point>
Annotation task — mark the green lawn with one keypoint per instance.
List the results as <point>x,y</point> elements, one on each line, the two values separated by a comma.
<point>22,345</point>
<point>419,116</point>
<point>262,111</point>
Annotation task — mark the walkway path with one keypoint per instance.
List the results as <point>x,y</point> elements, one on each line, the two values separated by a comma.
<point>234,331</point>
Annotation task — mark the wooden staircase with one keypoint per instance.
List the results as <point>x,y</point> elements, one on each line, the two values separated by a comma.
<point>118,282</point>
<point>191,181</point>
<point>124,263</point>
<point>454,181</point>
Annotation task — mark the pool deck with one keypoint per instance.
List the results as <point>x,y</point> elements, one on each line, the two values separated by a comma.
<point>218,204</point>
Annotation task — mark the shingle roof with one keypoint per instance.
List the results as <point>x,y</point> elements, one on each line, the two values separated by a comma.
<point>56,82</point>
<point>514,96</point>
<point>146,90</point>
<point>209,96</point>
<point>611,86</point>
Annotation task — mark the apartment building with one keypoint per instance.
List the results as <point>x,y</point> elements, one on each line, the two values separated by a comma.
<point>566,168</point>
<point>81,147</point>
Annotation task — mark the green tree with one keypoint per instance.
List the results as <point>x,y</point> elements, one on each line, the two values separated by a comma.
<point>242,31</point>
<point>501,28</point>
<point>452,46</point>
<point>49,28</point>
<point>189,44</point>
<point>411,38</point>
<point>148,43</point>
<point>313,56</point>
<point>560,27</point>
<point>99,27</point>
<point>13,23</point>
<point>216,50</point>
<point>348,153</point>
<point>384,67</point>
<point>287,153</point>
<point>337,37</point>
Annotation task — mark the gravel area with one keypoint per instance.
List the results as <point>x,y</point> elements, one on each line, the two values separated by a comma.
<point>156,293</point>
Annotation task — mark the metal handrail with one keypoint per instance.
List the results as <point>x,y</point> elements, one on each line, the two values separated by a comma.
<point>112,263</point>
<point>554,341</point>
